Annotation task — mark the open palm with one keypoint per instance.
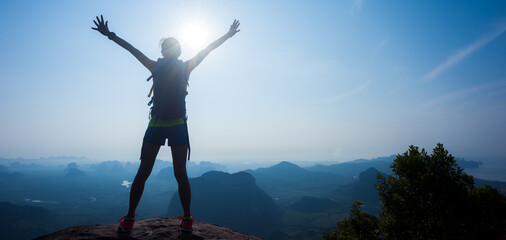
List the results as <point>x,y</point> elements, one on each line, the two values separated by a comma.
<point>102,26</point>
<point>233,28</point>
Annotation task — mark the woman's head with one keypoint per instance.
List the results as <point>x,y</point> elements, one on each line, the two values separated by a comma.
<point>170,48</point>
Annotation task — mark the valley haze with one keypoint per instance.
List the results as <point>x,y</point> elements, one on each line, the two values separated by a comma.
<point>301,202</point>
<point>493,169</point>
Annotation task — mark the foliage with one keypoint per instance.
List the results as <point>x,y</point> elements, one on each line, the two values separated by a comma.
<point>360,225</point>
<point>430,197</point>
<point>488,213</point>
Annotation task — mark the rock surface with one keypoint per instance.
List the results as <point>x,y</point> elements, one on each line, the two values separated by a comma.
<point>156,228</point>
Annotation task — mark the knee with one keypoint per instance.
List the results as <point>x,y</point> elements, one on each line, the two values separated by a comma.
<point>181,177</point>
<point>142,174</point>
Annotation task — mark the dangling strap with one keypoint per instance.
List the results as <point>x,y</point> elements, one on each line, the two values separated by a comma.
<point>157,66</point>
<point>187,137</point>
<point>151,91</point>
<point>152,86</point>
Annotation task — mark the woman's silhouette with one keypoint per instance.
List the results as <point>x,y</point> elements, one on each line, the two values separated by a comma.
<point>168,116</point>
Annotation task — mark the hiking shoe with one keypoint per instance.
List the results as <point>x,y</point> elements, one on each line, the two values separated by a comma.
<point>186,223</point>
<point>126,224</point>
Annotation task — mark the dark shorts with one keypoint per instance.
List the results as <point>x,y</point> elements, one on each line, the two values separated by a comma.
<point>175,135</point>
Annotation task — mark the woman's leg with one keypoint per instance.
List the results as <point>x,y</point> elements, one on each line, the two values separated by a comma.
<point>148,156</point>
<point>179,164</point>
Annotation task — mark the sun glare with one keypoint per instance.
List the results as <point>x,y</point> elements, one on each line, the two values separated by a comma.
<point>194,37</point>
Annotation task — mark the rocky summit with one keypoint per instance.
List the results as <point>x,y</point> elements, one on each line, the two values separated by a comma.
<point>156,228</point>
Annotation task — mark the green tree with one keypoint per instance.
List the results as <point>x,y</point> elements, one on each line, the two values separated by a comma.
<point>488,213</point>
<point>360,225</point>
<point>430,197</point>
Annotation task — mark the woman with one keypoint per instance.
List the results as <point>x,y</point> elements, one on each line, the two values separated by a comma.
<point>168,116</point>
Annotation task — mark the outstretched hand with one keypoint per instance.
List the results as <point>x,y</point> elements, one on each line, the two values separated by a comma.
<point>102,26</point>
<point>233,28</point>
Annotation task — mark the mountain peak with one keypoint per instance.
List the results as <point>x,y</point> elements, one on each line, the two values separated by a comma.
<point>370,175</point>
<point>238,177</point>
<point>285,164</point>
<point>155,228</point>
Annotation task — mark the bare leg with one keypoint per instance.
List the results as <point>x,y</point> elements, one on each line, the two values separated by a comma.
<point>148,156</point>
<point>179,164</point>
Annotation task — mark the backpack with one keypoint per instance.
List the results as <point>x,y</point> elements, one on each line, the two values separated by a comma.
<point>169,88</point>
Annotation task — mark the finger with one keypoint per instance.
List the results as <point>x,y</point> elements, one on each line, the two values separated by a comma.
<point>102,18</point>
<point>237,25</point>
<point>95,23</point>
<point>94,28</point>
<point>107,26</point>
<point>98,19</point>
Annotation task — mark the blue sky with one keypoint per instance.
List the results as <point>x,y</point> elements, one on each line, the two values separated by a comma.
<point>303,80</point>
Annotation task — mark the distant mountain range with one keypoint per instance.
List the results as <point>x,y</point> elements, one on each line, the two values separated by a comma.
<point>286,181</point>
<point>231,200</point>
<point>43,161</point>
<point>194,169</point>
<point>284,199</point>
<point>351,170</point>
<point>5,174</point>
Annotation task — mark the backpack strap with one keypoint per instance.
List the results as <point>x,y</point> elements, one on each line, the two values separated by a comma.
<point>151,90</point>
<point>159,63</point>
<point>157,66</point>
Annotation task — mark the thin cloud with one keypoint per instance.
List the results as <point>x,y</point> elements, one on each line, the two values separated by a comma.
<point>462,53</point>
<point>461,95</point>
<point>351,93</point>
<point>356,5</point>
<point>380,46</point>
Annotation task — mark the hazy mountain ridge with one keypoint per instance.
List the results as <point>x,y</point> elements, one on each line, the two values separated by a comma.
<point>286,181</point>
<point>351,169</point>
<point>231,200</point>
<point>194,169</point>
<point>309,202</point>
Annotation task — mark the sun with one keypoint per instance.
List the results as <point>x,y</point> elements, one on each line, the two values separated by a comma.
<point>194,36</point>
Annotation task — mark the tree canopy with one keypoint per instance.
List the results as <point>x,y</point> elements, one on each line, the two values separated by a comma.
<point>430,197</point>
<point>360,225</point>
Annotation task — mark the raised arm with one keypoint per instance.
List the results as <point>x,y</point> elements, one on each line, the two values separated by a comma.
<point>195,61</point>
<point>103,28</point>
